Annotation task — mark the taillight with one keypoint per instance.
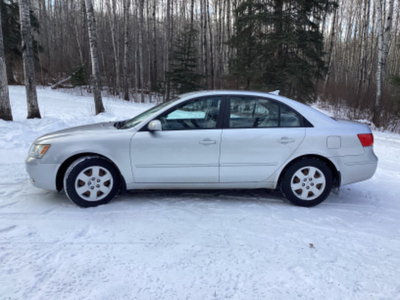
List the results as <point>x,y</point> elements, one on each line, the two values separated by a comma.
<point>366,139</point>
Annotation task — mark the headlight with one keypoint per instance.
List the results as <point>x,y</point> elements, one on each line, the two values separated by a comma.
<point>37,151</point>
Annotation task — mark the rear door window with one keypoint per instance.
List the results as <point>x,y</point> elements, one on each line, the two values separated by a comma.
<point>249,112</point>
<point>252,112</point>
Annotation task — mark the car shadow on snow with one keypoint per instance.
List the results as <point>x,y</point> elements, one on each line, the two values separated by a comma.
<point>242,195</point>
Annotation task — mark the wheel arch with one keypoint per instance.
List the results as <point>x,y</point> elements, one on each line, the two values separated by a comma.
<point>64,166</point>
<point>335,172</point>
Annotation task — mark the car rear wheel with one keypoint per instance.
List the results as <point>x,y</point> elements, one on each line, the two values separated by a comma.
<point>307,182</point>
<point>91,181</point>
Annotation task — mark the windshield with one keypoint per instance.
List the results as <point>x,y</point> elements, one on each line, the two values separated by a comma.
<point>144,115</point>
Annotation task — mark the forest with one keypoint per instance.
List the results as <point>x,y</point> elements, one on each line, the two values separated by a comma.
<point>344,53</point>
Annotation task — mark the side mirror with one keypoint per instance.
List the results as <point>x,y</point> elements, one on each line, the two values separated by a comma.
<point>154,125</point>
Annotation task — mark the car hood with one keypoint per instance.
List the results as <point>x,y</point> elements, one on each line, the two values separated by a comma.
<point>98,129</point>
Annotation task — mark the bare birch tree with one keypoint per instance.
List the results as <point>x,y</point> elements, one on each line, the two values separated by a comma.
<point>330,51</point>
<point>155,67</point>
<point>28,60</point>
<point>5,107</point>
<point>364,50</point>
<point>204,11</point>
<point>113,23</point>
<point>384,37</point>
<point>168,44</point>
<point>127,4</point>
<point>141,25</point>
<point>91,23</point>
<point>211,47</point>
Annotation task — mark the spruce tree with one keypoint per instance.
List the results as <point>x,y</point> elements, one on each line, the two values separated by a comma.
<point>183,75</point>
<point>246,68</point>
<point>79,76</point>
<point>279,46</point>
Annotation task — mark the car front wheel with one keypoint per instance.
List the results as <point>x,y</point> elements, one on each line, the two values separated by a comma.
<point>91,181</point>
<point>307,182</point>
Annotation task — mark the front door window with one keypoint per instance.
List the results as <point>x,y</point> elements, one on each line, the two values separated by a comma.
<point>198,114</point>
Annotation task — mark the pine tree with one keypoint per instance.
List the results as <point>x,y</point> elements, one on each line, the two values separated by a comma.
<point>246,67</point>
<point>79,76</point>
<point>395,80</point>
<point>183,74</point>
<point>279,46</point>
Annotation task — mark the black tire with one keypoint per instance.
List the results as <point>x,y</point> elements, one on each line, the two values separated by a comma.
<point>307,182</point>
<point>91,181</point>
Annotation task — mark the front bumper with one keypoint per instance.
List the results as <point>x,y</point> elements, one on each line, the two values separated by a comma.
<point>42,175</point>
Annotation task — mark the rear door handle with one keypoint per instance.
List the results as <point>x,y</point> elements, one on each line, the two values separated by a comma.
<point>285,140</point>
<point>208,142</point>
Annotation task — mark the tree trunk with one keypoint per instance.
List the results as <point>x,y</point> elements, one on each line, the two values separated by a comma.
<point>219,49</point>
<point>331,43</point>
<point>384,37</point>
<point>149,53</point>
<point>191,14</point>
<point>155,79</point>
<point>10,73</point>
<point>228,29</point>
<point>191,24</point>
<point>127,4</point>
<point>205,13</point>
<point>141,21</point>
<point>91,23</point>
<point>202,68</point>
<point>211,48</point>
<point>5,107</point>
<point>28,60</point>
<point>78,41</point>
<point>168,45</point>
<point>387,36</point>
<point>278,8</point>
<point>378,97</point>
<point>37,46</point>
<point>57,84</point>
<point>364,50</point>
<point>113,24</point>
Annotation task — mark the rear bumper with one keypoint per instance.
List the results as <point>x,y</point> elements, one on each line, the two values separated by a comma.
<point>41,175</point>
<point>357,168</point>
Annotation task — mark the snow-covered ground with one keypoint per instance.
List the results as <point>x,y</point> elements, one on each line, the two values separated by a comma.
<point>190,244</point>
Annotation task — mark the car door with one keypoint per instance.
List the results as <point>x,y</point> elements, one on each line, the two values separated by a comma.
<point>258,137</point>
<point>186,150</point>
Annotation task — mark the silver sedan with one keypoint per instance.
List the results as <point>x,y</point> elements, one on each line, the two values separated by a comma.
<point>207,140</point>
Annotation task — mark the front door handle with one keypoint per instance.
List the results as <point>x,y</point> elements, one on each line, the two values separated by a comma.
<point>285,140</point>
<point>208,142</point>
